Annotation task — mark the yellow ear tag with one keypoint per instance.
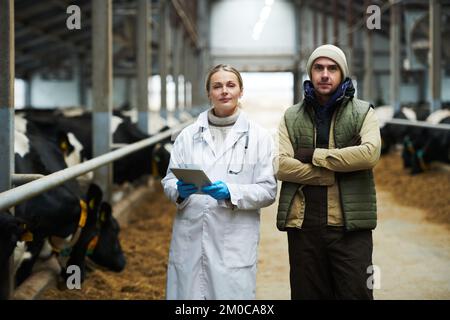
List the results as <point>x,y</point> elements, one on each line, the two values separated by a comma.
<point>63,145</point>
<point>91,246</point>
<point>102,216</point>
<point>154,168</point>
<point>92,204</point>
<point>83,215</point>
<point>27,237</point>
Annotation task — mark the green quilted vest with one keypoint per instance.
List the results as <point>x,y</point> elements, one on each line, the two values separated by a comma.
<point>356,189</point>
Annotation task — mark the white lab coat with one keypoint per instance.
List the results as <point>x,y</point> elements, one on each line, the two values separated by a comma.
<point>213,251</point>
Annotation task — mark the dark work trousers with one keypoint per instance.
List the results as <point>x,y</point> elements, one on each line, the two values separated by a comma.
<point>327,262</point>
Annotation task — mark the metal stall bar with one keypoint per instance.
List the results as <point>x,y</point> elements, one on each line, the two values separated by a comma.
<point>27,191</point>
<point>19,179</point>
<point>7,120</point>
<point>102,88</point>
<point>422,124</point>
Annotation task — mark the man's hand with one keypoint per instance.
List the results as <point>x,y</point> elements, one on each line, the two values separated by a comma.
<point>304,155</point>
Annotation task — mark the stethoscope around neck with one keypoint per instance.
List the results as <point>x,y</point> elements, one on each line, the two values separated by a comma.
<point>199,136</point>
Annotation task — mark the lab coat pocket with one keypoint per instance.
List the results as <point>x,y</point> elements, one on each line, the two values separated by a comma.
<point>180,240</point>
<point>240,245</point>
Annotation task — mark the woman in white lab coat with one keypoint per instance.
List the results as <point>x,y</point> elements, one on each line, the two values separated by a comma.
<point>213,251</point>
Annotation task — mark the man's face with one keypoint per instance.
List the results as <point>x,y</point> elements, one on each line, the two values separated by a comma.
<point>325,76</point>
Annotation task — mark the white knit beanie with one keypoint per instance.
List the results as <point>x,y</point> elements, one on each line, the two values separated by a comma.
<point>332,52</point>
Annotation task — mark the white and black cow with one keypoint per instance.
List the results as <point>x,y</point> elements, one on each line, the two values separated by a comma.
<point>59,212</point>
<point>14,232</point>
<point>393,134</point>
<point>429,145</point>
<point>78,130</point>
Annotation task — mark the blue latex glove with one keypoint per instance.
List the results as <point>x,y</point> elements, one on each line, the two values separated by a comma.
<point>218,190</point>
<point>185,189</point>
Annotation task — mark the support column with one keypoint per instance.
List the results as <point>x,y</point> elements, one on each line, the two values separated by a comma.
<point>163,29</point>
<point>395,56</point>
<point>183,67</point>
<point>143,64</point>
<point>28,91</point>
<point>102,89</point>
<point>297,72</point>
<point>435,54</point>
<point>195,84</point>
<point>78,70</point>
<point>203,23</point>
<point>336,23</point>
<point>82,88</point>
<point>176,57</point>
<point>368,64</point>
<point>315,28</point>
<point>187,74</point>
<point>324,23</point>
<point>7,121</point>
<point>350,55</point>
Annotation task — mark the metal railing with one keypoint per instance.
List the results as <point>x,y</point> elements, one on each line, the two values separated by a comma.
<point>31,189</point>
<point>422,124</point>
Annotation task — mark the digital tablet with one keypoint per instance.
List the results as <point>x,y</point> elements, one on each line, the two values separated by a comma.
<point>194,176</point>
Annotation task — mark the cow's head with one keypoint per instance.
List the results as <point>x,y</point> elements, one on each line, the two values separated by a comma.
<point>161,159</point>
<point>12,230</point>
<point>89,232</point>
<point>107,251</point>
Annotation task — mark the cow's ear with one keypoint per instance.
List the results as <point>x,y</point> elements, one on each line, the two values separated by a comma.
<point>105,212</point>
<point>94,196</point>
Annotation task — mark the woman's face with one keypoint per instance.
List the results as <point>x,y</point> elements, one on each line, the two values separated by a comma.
<point>224,92</point>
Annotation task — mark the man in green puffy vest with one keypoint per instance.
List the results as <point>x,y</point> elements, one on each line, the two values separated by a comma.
<point>328,145</point>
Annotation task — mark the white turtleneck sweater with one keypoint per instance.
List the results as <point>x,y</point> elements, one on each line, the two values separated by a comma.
<point>220,126</point>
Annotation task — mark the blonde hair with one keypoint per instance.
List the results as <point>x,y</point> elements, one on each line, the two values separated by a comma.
<point>224,67</point>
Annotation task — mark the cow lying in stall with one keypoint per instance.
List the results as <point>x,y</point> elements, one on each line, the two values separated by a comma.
<point>61,211</point>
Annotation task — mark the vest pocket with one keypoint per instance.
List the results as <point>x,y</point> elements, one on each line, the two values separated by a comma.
<point>240,245</point>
